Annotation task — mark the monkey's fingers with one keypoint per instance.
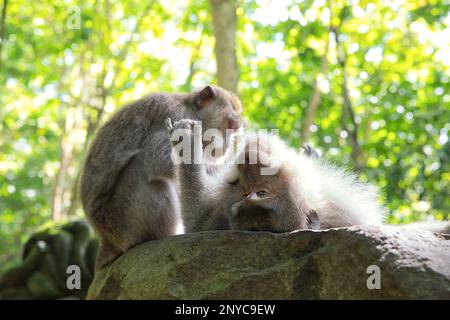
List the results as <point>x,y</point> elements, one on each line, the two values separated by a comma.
<point>197,125</point>
<point>185,124</point>
<point>168,124</point>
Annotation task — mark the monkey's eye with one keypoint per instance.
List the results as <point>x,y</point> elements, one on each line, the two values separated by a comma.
<point>234,182</point>
<point>245,195</point>
<point>234,123</point>
<point>262,193</point>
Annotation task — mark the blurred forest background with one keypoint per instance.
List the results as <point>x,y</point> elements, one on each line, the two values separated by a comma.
<point>365,81</point>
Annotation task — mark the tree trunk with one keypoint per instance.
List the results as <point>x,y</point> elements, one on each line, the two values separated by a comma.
<point>60,180</point>
<point>224,21</point>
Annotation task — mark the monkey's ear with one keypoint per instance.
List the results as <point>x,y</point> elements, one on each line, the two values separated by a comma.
<point>312,220</point>
<point>205,96</point>
<point>309,151</point>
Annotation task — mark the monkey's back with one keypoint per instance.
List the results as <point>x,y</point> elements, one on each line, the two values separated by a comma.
<point>119,139</point>
<point>113,181</point>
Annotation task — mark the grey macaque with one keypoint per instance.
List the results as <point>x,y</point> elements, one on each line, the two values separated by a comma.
<point>128,185</point>
<point>228,197</point>
<point>306,192</point>
<point>301,191</point>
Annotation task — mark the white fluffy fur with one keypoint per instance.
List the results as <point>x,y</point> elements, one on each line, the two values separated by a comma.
<point>337,196</point>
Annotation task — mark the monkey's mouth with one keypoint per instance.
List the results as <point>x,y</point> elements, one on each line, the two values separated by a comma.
<point>254,210</point>
<point>253,218</point>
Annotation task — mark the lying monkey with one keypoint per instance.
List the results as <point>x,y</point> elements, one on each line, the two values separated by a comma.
<point>299,191</point>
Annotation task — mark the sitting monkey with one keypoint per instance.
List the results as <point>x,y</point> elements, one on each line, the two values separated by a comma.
<point>128,187</point>
<point>298,191</point>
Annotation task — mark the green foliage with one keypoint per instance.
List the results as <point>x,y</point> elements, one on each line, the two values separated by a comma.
<point>57,84</point>
<point>398,81</point>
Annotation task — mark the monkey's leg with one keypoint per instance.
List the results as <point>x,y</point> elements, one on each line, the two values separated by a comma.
<point>106,254</point>
<point>151,212</point>
<point>137,210</point>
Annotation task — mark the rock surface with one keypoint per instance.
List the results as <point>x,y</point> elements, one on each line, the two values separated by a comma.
<point>330,264</point>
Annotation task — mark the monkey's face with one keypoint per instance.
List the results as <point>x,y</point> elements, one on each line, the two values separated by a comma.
<point>221,110</point>
<point>265,206</point>
<point>255,211</point>
<point>269,202</point>
<point>263,209</point>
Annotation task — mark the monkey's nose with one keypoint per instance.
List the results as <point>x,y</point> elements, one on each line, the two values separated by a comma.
<point>252,196</point>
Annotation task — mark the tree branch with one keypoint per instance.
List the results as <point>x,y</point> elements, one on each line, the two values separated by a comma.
<point>3,28</point>
<point>187,86</point>
<point>347,109</point>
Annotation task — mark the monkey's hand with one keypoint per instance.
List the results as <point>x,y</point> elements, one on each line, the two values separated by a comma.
<point>184,128</point>
<point>191,145</point>
<point>168,124</point>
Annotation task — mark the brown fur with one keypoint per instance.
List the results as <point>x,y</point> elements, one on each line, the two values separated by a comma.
<point>128,188</point>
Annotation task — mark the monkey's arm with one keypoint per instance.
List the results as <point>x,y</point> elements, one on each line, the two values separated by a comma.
<point>193,202</point>
<point>201,199</point>
<point>157,159</point>
<point>200,210</point>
